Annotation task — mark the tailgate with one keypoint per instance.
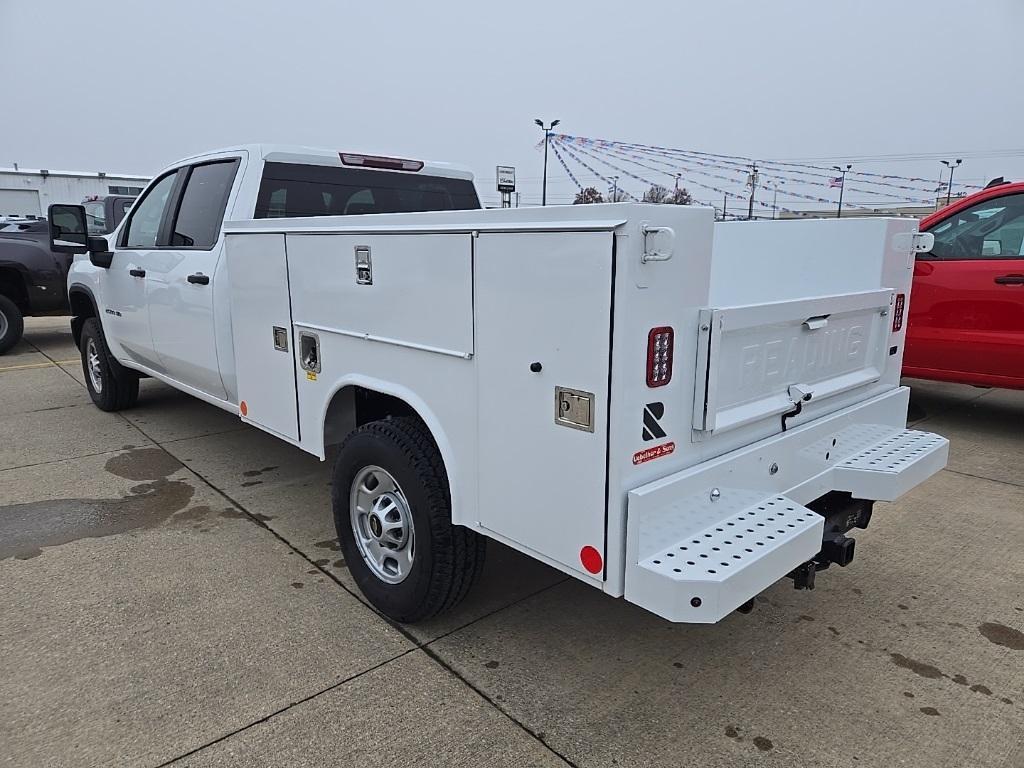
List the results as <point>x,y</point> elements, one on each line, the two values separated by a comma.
<point>763,360</point>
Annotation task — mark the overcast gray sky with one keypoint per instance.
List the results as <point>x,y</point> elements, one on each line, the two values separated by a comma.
<point>130,85</point>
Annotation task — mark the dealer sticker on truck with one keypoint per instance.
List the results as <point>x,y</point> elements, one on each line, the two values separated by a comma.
<point>649,454</point>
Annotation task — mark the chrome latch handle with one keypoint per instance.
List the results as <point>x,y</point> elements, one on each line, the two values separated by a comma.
<point>653,255</point>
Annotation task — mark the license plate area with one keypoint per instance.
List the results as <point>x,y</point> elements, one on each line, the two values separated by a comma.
<point>755,360</point>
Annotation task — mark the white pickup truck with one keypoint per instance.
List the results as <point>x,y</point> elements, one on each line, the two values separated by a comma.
<point>673,411</point>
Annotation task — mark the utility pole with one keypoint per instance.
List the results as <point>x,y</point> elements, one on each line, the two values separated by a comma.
<point>677,182</point>
<point>547,136</point>
<point>725,204</point>
<point>842,186</point>
<point>752,180</point>
<point>517,199</point>
<point>952,166</point>
<point>615,188</point>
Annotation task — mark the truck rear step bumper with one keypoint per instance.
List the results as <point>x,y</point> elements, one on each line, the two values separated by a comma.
<point>696,551</point>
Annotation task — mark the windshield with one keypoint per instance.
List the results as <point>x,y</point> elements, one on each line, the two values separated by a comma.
<point>291,189</point>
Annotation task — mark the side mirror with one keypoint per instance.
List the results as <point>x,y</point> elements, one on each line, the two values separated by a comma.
<point>69,232</point>
<point>99,255</point>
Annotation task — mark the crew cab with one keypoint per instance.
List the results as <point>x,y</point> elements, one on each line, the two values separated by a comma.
<point>672,411</point>
<point>967,321</point>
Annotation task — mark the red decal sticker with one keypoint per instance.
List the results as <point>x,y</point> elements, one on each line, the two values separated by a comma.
<point>649,454</point>
<point>591,559</point>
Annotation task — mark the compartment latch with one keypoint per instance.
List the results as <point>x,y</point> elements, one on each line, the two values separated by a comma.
<point>364,265</point>
<point>649,234</point>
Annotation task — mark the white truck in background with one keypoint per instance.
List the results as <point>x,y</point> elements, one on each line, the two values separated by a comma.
<point>671,410</point>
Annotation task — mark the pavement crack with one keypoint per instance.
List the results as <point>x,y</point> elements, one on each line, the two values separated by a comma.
<point>281,710</point>
<point>982,477</point>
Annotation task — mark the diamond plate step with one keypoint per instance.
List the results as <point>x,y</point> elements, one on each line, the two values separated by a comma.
<point>892,466</point>
<point>713,571</point>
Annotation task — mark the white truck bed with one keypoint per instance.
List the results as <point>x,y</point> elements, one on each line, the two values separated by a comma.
<point>520,338</point>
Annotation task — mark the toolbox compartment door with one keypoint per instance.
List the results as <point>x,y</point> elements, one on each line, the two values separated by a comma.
<point>261,329</point>
<point>543,315</point>
<point>759,360</point>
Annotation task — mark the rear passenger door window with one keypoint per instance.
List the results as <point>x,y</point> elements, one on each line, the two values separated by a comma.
<point>201,211</point>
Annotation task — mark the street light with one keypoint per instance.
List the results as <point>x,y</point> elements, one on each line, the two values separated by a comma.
<point>775,195</point>
<point>842,186</point>
<point>952,166</point>
<point>547,134</point>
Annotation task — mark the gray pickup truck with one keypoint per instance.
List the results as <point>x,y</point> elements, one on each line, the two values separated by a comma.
<point>33,279</point>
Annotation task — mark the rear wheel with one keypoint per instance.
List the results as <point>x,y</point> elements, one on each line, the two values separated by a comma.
<point>111,386</point>
<point>12,324</point>
<point>392,512</point>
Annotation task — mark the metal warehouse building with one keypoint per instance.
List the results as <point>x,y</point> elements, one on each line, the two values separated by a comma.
<point>28,192</point>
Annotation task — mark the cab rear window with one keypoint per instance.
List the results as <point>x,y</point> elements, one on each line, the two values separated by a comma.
<point>295,190</point>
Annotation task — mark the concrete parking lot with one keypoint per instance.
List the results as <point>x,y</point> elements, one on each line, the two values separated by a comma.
<point>171,593</point>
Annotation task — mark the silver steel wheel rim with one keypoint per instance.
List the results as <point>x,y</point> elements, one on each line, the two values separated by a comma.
<point>382,524</point>
<point>3,324</point>
<point>92,366</point>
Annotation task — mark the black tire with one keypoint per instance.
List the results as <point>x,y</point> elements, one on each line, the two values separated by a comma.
<point>118,387</point>
<point>447,559</point>
<point>12,324</point>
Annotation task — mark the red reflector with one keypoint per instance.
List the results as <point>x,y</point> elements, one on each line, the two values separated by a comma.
<point>591,559</point>
<point>897,311</point>
<point>376,161</point>
<point>659,356</point>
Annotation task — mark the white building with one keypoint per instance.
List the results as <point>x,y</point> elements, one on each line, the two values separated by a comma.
<point>29,192</point>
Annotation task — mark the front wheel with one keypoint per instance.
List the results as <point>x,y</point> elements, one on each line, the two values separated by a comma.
<point>111,386</point>
<point>392,512</point>
<point>12,324</point>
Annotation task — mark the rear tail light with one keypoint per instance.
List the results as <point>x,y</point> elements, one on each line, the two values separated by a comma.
<point>659,356</point>
<point>375,161</point>
<point>897,311</point>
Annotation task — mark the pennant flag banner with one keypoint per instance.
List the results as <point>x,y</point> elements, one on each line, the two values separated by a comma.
<point>700,170</point>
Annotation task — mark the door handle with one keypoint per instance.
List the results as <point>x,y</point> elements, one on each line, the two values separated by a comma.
<point>199,278</point>
<point>1010,280</point>
<point>137,272</point>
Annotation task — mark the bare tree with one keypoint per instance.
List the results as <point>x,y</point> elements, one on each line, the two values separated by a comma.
<point>588,195</point>
<point>656,194</point>
<point>680,196</point>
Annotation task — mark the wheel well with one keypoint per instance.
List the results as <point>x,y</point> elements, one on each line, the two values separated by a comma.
<point>82,309</point>
<point>353,406</point>
<point>12,285</point>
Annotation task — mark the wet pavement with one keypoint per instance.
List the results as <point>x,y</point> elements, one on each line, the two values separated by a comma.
<point>171,592</point>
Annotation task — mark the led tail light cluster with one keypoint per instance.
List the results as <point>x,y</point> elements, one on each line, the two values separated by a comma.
<point>897,311</point>
<point>659,356</point>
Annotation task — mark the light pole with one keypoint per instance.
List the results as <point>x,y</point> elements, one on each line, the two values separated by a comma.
<point>615,188</point>
<point>752,180</point>
<point>775,196</point>
<point>547,134</point>
<point>677,182</point>
<point>842,186</point>
<point>952,166</point>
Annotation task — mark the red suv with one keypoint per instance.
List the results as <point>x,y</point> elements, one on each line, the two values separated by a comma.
<point>966,319</point>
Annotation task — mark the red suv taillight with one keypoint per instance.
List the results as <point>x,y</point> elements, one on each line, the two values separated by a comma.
<point>897,312</point>
<point>659,356</point>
